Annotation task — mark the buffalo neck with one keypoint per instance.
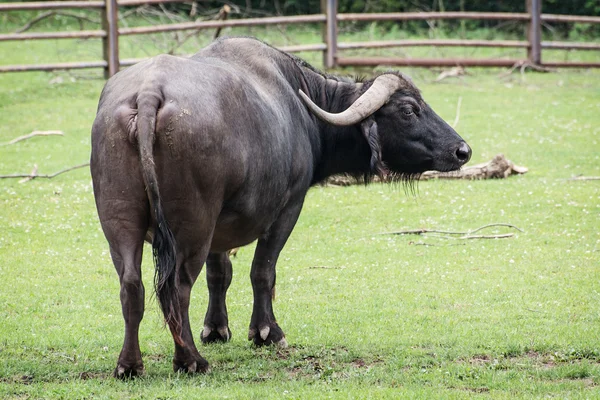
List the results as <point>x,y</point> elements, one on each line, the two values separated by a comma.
<point>341,149</point>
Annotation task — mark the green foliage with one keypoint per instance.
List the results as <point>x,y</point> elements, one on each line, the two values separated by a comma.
<point>583,7</point>
<point>259,8</point>
<point>366,315</point>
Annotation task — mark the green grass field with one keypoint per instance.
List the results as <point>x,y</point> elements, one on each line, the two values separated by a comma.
<point>366,315</point>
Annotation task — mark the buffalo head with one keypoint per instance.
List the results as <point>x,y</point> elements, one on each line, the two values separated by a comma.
<point>403,132</point>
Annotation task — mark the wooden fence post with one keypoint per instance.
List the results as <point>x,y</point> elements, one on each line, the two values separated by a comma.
<point>534,34</point>
<point>329,7</point>
<point>110,43</point>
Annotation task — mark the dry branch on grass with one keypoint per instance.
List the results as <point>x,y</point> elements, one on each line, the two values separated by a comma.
<point>31,175</point>
<point>33,134</point>
<point>585,178</point>
<point>433,244</point>
<point>451,73</point>
<point>498,168</point>
<point>522,66</point>
<point>460,235</point>
<point>421,231</point>
<point>34,173</point>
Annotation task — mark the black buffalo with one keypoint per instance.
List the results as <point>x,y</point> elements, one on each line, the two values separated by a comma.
<point>203,154</point>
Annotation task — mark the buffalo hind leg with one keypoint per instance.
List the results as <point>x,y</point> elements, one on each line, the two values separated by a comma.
<point>218,278</point>
<point>187,358</point>
<point>128,262</point>
<point>264,329</point>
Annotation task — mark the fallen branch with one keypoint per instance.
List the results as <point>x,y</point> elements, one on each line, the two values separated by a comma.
<point>463,235</point>
<point>33,134</point>
<point>585,178</point>
<point>522,66</point>
<point>538,68</point>
<point>34,173</point>
<point>498,168</point>
<point>432,244</point>
<point>502,236</point>
<point>497,224</point>
<point>452,72</point>
<point>30,177</point>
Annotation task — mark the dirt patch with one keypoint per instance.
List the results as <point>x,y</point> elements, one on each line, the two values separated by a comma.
<point>589,382</point>
<point>532,355</point>
<point>477,390</point>
<point>529,358</point>
<point>87,375</point>
<point>155,357</point>
<point>480,359</point>
<point>360,363</point>
<point>538,359</point>
<point>322,367</point>
<point>20,379</point>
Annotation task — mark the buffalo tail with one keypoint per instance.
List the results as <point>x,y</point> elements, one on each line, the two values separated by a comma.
<point>163,243</point>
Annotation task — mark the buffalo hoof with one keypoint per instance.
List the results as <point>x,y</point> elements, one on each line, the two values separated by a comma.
<point>268,335</point>
<point>123,372</point>
<point>211,335</point>
<point>199,366</point>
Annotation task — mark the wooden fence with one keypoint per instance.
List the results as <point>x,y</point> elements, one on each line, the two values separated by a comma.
<point>332,50</point>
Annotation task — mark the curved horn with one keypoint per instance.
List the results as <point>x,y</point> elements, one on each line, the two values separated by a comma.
<point>376,96</point>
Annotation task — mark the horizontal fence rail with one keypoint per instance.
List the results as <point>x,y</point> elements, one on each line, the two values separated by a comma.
<point>51,5</point>
<point>425,62</point>
<point>465,15</point>
<point>433,42</point>
<point>331,49</point>
<point>290,49</point>
<point>265,21</point>
<point>367,17</point>
<point>54,66</point>
<point>53,35</point>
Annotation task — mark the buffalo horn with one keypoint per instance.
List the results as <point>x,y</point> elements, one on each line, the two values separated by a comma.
<point>376,96</point>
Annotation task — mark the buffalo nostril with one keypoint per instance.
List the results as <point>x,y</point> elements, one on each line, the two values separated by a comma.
<point>463,153</point>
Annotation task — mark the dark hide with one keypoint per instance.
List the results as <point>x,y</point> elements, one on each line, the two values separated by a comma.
<point>209,153</point>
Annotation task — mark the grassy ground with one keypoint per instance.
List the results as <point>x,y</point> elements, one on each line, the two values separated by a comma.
<point>366,315</point>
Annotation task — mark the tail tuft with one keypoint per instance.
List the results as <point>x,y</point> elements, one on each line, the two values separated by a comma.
<point>165,276</point>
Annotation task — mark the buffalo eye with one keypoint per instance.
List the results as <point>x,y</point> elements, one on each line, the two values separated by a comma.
<point>408,110</point>
<point>409,107</point>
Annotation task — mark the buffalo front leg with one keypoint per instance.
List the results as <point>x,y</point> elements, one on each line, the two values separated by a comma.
<point>128,262</point>
<point>264,329</point>
<point>218,278</point>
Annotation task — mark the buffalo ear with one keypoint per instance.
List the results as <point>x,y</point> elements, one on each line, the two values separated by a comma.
<point>369,131</point>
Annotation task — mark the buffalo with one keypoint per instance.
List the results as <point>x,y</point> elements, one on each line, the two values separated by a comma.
<point>203,154</point>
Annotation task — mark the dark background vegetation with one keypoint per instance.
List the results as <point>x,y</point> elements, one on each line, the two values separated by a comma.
<point>257,8</point>
<point>292,7</point>
<point>584,7</point>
